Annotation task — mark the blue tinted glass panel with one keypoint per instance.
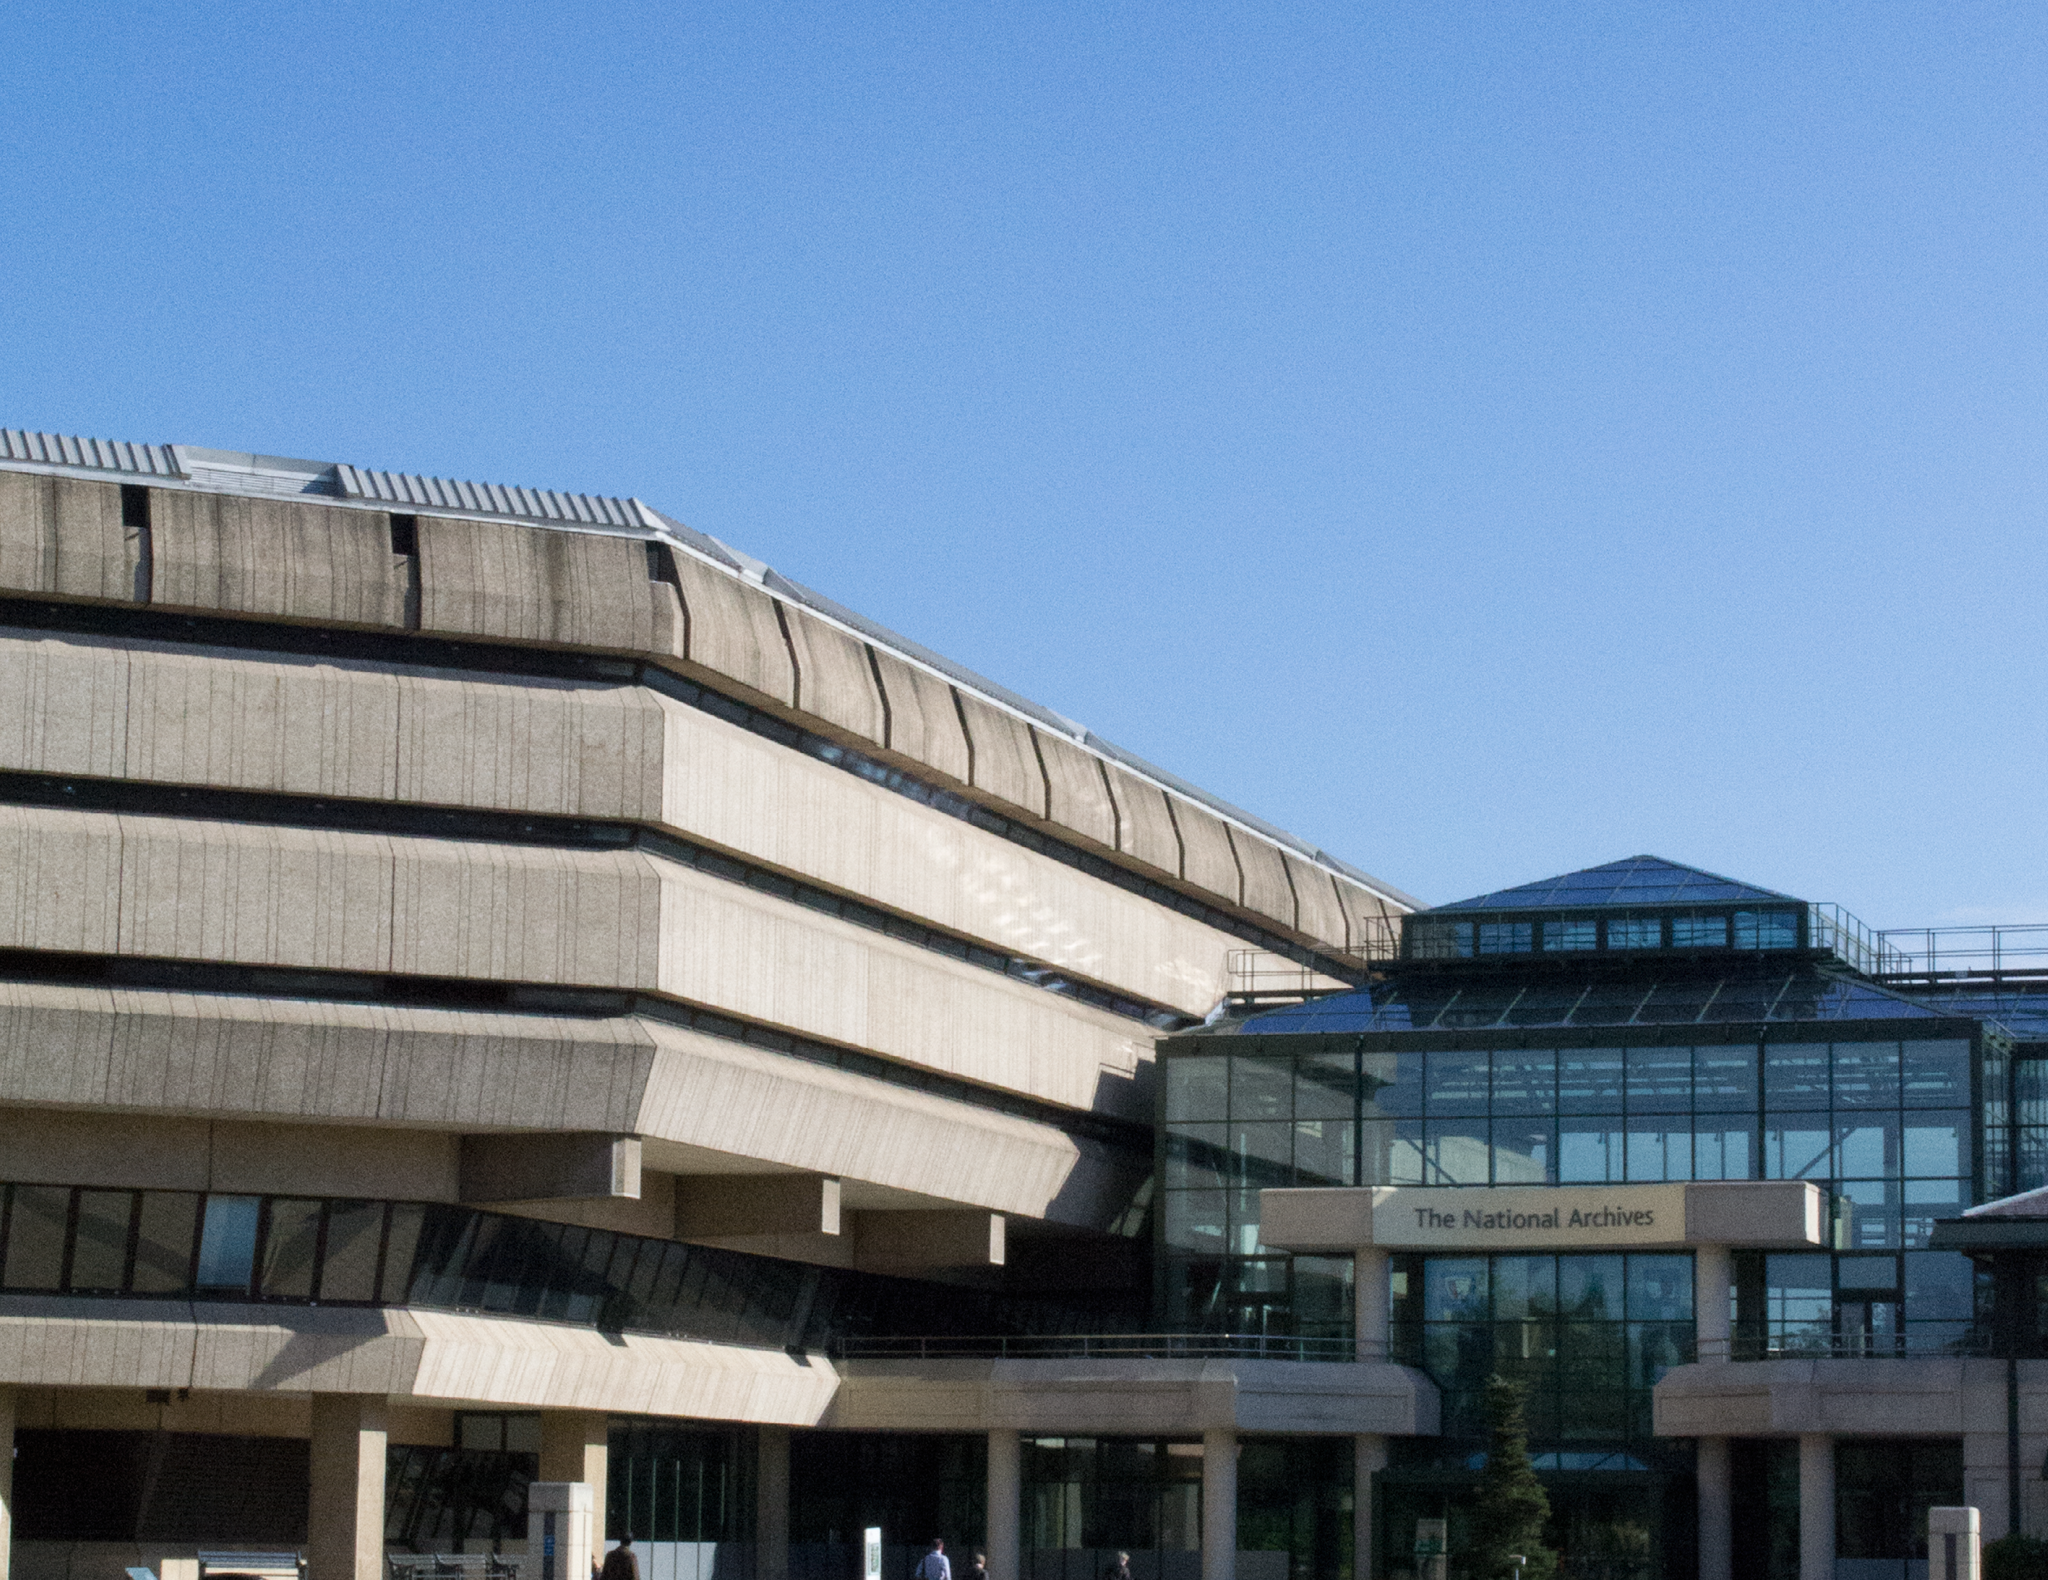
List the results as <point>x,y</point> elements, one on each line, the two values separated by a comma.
<point>1524,1287</point>
<point>1939,1284</point>
<point>1799,1147</point>
<point>1590,1151</point>
<point>1874,1212</point>
<point>1724,1078</point>
<point>1525,1081</point>
<point>1773,929</point>
<point>1660,1288</point>
<point>1868,1273</point>
<point>1796,1075</point>
<point>1658,1150</point>
<point>1721,1154</point>
<point>1937,1145</point>
<point>1635,932</point>
<point>227,1242</point>
<point>1589,1080</point>
<point>1323,1151</point>
<point>1392,1083</point>
<point>1197,1087</point>
<point>1198,1157</point>
<point>1590,1288</point>
<point>1867,1145</point>
<point>1506,938</point>
<point>1659,1080</point>
<point>1434,940</point>
<point>1937,1074</point>
<point>1325,1086</point>
<point>1524,1150</point>
<point>1261,1088</point>
<point>1699,932</point>
<point>1927,1200</point>
<point>1866,1074</point>
<point>1458,1080</point>
<point>1455,1152</point>
<point>1573,932</point>
<point>1454,1289</point>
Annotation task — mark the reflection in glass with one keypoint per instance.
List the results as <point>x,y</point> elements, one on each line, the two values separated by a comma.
<point>1935,1142</point>
<point>1523,1150</point>
<point>1798,1147</point>
<point>1589,1151</point>
<point>1458,1081</point>
<point>1589,1080</point>
<point>35,1236</point>
<point>1659,1080</point>
<point>1724,1078</point>
<point>164,1230</point>
<point>1866,1075</point>
<point>288,1249</point>
<point>99,1254</point>
<point>1197,1087</point>
<point>1525,1081</point>
<point>1456,1152</point>
<point>350,1269</point>
<point>1261,1088</point>
<point>1720,1154</point>
<point>1590,1287</point>
<point>227,1242</point>
<point>1936,1074</point>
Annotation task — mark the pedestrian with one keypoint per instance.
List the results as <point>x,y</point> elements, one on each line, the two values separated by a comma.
<point>932,1566</point>
<point>621,1563</point>
<point>1120,1570</point>
<point>977,1567</point>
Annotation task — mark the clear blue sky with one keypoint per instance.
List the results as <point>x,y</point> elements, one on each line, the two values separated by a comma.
<point>1485,439</point>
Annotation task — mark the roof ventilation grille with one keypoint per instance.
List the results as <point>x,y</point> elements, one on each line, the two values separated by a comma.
<point>491,499</point>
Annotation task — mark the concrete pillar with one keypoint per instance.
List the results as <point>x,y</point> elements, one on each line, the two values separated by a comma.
<point>1713,1318</point>
<point>345,1505</point>
<point>1717,1529</point>
<point>1219,1504</point>
<point>1005,1504</point>
<point>1955,1544</point>
<point>1371,1310</point>
<point>6,1479</point>
<point>575,1445</point>
<point>771,1505</point>
<point>1368,1457</point>
<point>1816,1506</point>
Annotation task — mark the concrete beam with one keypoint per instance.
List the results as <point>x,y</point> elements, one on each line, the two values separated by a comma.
<point>728,1206</point>
<point>537,1166</point>
<point>927,1241</point>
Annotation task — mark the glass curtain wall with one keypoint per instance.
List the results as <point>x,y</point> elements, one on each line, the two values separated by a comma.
<point>1883,1123</point>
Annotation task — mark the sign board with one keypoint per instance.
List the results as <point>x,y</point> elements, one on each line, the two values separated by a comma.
<point>1538,1218</point>
<point>871,1553</point>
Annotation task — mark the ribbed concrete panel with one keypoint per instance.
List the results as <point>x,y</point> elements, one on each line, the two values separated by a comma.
<point>1317,911</point>
<point>923,723</point>
<point>301,728</point>
<point>1266,889</point>
<point>1145,825</point>
<point>223,891</point>
<point>745,951</point>
<point>1368,916</point>
<point>231,1058</point>
<point>1005,765</point>
<point>64,707</point>
<point>1205,840</point>
<point>833,678</point>
<point>59,881</point>
<point>530,915</point>
<point>64,535</point>
<point>729,1097</point>
<point>531,584</point>
<point>1079,800</point>
<point>541,746</point>
<point>73,705</point>
<point>225,553</point>
<point>734,632</point>
<point>738,790</point>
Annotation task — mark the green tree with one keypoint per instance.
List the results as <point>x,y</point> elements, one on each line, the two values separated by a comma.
<point>1511,1509</point>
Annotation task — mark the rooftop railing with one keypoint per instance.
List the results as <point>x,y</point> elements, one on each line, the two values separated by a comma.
<point>1965,954</point>
<point>1103,1346</point>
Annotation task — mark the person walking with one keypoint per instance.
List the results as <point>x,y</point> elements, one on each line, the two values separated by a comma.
<point>977,1567</point>
<point>934,1565</point>
<point>621,1563</point>
<point>1120,1570</point>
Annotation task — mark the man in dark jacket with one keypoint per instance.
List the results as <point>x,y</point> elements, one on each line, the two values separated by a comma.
<point>621,1563</point>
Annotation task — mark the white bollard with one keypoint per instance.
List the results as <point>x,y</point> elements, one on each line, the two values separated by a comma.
<point>1955,1545</point>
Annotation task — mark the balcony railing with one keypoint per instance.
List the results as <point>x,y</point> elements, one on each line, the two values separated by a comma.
<point>1102,1346</point>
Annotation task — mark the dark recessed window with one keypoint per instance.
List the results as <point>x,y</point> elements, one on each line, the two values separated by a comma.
<point>1699,932</point>
<point>1635,932</point>
<point>1506,938</point>
<point>1571,933</point>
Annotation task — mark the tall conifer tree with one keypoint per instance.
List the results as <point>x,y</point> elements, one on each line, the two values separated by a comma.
<point>1511,1510</point>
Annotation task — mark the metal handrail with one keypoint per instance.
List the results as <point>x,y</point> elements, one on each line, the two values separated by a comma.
<point>1105,1346</point>
<point>1964,954</point>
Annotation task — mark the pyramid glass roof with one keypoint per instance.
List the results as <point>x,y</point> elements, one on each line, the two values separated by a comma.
<point>1632,881</point>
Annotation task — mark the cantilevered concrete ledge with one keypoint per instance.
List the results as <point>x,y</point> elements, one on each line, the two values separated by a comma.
<point>1887,1398</point>
<point>409,1355</point>
<point>1084,1397</point>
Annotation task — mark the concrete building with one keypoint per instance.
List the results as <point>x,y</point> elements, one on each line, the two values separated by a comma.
<point>495,984</point>
<point>496,987</point>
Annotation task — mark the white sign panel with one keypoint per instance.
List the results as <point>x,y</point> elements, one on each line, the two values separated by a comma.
<point>1547,1217</point>
<point>871,1553</point>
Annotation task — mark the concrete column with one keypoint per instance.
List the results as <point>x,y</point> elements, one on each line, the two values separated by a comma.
<point>1368,1456</point>
<point>1219,1504</point>
<point>1816,1506</point>
<point>1005,1503</point>
<point>1713,1320</point>
<point>771,1505</point>
<point>575,1445</point>
<point>345,1506</point>
<point>6,1479</point>
<point>1371,1314</point>
<point>1717,1530</point>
